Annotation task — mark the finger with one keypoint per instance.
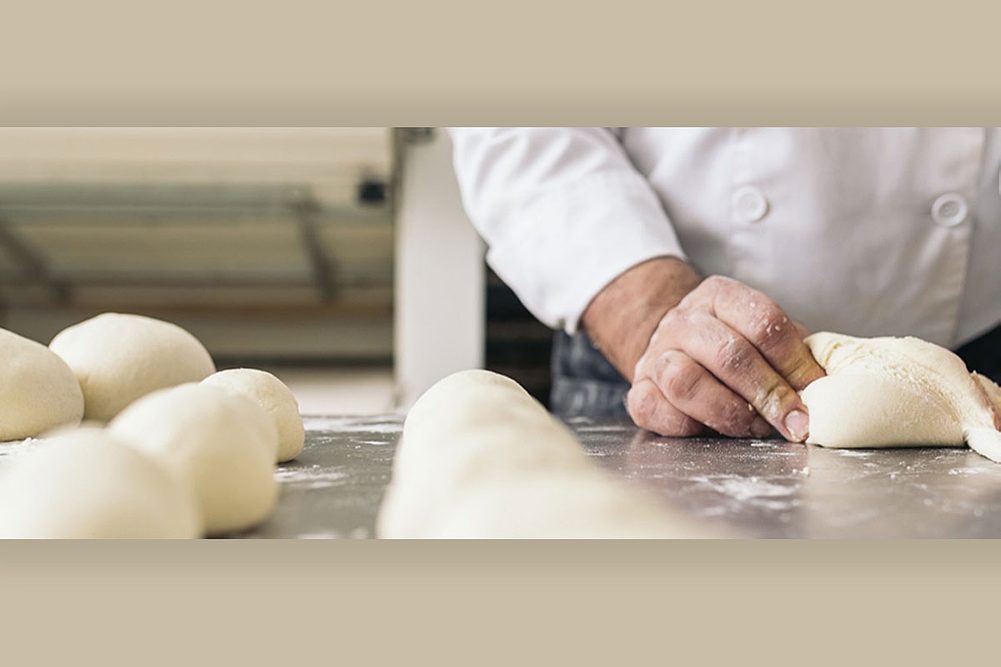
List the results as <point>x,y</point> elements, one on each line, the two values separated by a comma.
<point>738,364</point>
<point>651,411</point>
<point>801,330</point>
<point>758,319</point>
<point>691,389</point>
<point>760,428</point>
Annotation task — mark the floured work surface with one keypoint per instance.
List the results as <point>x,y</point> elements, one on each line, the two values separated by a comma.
<point>748,488</point>
<point>751,488</point>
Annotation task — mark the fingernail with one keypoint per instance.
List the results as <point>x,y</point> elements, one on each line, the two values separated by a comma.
<point>798,425</point>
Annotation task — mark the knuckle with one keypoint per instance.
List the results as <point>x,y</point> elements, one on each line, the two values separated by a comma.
<point>640,402</point>
<point>682,381</point>
<point>661,364</point>
<point>671,425</point>
<point>642,367</point>
<point>803,371</point>
<point>648,410</point>
<point>772,401</point>
<point>769,327</point>
<point>723,418</point>
<point>736,417</point>
<point>734,354</point>
<point>680,426</point>
<point>715,282</point>
<point>673,320</point>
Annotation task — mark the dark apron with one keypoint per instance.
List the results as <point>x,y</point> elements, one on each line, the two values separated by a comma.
<point>586,384</point>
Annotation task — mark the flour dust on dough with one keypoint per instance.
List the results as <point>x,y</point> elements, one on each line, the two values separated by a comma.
<point>899,392</point>
<point>480,458</point>
<point>38,391</point>
<point>274,397</point>
<point>222,443</point>
<point>86,484</point>
<point>119,358</point>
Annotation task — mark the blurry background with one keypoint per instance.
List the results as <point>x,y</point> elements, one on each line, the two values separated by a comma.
<point>338,258</point>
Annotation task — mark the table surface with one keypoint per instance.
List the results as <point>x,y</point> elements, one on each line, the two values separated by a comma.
<point>747,488</point>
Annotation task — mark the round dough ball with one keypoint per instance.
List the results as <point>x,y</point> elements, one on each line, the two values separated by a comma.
<point>274,397</point>
<point>87,484</point>
<point>118,358</point>
<point>38,391</point>
<point>222,443</point>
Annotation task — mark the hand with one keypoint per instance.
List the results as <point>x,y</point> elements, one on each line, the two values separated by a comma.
<point>725,357</point>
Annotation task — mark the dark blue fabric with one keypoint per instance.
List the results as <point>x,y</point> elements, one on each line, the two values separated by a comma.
<point>585,384</point>
<point>983,354</point>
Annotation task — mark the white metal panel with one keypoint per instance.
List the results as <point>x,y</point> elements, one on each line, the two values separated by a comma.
<point>440,276</point>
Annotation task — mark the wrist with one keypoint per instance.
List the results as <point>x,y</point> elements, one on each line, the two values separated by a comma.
<point>623,316</point>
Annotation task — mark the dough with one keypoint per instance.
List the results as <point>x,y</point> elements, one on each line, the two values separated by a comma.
<point>274,397</point>
<point>897,392</point>
<point>118,358</point>
<point>38,391</point>
<point>479,457</point>
<point>558,505</point>
<point>470,424</point>
<point>223,444</point>
<point>87,484</point>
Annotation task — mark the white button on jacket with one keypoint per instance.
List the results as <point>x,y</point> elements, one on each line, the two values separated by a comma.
<point>865,231</point>
<point>949,209</point>
<point>750,204</point>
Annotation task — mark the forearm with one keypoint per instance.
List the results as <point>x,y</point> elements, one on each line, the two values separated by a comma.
<point>623,316</point>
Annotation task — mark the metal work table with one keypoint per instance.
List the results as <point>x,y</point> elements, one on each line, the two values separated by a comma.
<point>748,488</point>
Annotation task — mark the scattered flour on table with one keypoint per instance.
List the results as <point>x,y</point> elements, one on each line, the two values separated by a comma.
<point>744,489</point>
<point>854,452</point>
<point>966,471</point>
<point>352,424</point>
<point>779,447</point>
<point>310,478</point>
<point>604,428</point>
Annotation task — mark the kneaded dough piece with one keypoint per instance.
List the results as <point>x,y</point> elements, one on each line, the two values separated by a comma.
<point>118,358</point>
<point>479,457</point>
<point>222,443</point>
<point>895,392</point>
<point>871,411</point>
<point>991,390</point>
<point>87,484</point>
<point>274,397</point>
<point>38,391</point>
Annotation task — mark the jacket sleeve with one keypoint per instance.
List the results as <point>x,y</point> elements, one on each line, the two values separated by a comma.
<point>563,212</point>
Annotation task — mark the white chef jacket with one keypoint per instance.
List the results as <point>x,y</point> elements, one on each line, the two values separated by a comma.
<point>863,231</point>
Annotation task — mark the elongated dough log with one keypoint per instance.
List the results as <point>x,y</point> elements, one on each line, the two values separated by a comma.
<point>481,458</point>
